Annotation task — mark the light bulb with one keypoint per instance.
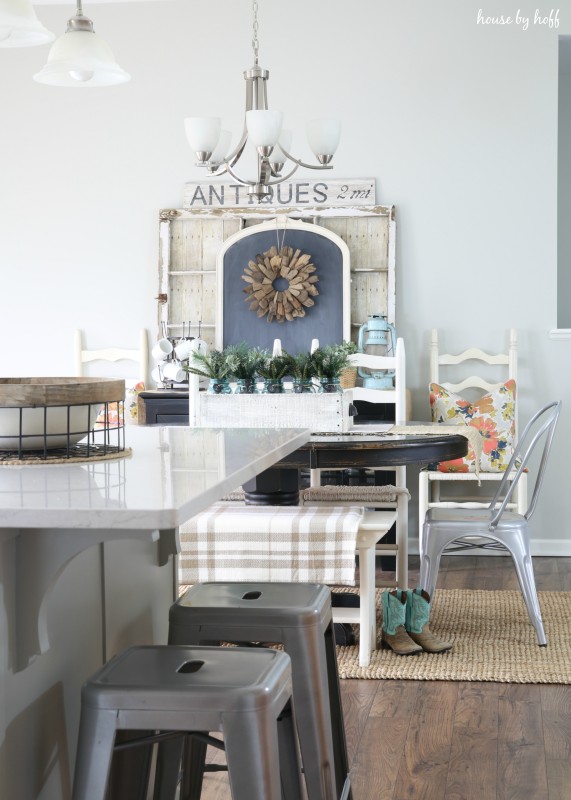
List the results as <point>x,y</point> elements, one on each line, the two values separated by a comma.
<point>81,74</point>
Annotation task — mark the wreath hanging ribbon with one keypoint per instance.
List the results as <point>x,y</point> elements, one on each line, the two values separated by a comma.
<point>265,276</point>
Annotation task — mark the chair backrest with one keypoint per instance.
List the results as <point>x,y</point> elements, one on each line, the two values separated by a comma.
<point>542,424</point>
<point>506,360</point>
<point>438,359</point>
<point>397,394</point>
<point>141,356</point>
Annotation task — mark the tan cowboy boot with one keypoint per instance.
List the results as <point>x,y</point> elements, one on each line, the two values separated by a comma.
<point>394,634</point>
<point>417,616</point>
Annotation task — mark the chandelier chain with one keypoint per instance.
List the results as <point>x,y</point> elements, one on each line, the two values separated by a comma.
<point>280,244</point>
<point>255,42</point>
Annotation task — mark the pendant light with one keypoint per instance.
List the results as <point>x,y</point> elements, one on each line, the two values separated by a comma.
<point>80,58</point>
<point>19,26</point>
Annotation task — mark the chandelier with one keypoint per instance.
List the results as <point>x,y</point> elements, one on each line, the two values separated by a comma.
<point>263,128</point>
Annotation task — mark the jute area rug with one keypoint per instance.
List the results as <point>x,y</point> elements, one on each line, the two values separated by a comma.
<point>493,641</point>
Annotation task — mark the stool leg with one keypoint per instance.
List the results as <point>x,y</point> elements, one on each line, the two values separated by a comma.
<point>130,767</point>
<point>311,702</point>
<point>168,763</point>
<point>97,730</point>
<point>290,766</point>
<point>194,759</point>
<point>252,754</point>
<point>337,720</point>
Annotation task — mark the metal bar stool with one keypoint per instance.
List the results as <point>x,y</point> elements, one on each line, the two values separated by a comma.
<point>238,691</point>
<point>297,615</point>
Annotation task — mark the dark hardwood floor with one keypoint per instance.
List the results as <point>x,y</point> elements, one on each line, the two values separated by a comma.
<point>437,740</point>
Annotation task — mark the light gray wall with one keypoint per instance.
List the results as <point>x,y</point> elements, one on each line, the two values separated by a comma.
<point>564,188</point>
<point>457,122</point>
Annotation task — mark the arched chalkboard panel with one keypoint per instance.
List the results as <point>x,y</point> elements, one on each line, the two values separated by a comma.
<point>328,320</point>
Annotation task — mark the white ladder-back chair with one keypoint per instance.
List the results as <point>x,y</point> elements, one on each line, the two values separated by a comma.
<point>377,497</point>
<point>430,480</point>
<point>140,355</point>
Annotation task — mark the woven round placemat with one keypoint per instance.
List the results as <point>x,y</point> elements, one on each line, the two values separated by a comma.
<point>80,459</point>
<point>493,641</point>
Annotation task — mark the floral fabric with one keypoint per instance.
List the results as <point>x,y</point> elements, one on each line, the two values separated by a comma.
<point>128,407</point>
<point>493,415</point>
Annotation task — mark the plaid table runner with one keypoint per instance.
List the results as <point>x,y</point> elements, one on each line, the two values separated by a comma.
<point>270,543</point>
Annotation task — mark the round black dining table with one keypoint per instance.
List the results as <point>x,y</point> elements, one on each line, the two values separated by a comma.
<point>360,449</point>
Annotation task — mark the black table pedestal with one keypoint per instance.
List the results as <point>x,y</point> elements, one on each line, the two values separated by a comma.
<point>273,487</point>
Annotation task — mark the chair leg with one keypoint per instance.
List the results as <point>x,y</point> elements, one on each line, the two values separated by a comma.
<point>367,613</point>
<point>314,478</point>
<point>524,567</point>
<point>431,547</point>
<point>423,500</point>
<point>521,494</point>
<point>402,541</point>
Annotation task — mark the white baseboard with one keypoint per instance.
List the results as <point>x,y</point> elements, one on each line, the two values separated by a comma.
<point>539,547</point>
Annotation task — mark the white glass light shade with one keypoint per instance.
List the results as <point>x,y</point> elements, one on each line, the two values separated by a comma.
<point>19,26</point>
<point>202,133</point>
<point>222,149</point>
<point>278,156</point>
<point>323,136</point>
<point>81,58</point>
<point>264,127</point>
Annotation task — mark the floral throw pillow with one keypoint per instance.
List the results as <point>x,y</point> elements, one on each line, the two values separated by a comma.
<point>128,407</point>
<point>492,415</point>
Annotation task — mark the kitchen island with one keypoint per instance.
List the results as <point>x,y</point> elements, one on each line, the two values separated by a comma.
<point>87,569</point>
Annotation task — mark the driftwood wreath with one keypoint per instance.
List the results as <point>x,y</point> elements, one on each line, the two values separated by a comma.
<point>281,284</point>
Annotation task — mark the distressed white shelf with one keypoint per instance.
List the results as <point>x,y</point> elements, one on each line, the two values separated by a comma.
<point>191,239</point>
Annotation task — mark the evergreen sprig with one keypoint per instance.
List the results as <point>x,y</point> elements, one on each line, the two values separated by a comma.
<point>212,364</point>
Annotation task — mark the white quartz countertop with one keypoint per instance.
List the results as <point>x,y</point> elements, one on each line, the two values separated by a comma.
<point>171,475</point>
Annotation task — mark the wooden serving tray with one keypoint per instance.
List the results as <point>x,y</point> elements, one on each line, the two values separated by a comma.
<point>33,392</point>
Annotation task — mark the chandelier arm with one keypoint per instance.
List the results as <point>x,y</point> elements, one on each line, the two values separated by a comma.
<point>238,178</point>
<point>301,163</point>
<point>229,161</point>
<point>237,152</point>
<point>221,169</point>
<point>283,178</point>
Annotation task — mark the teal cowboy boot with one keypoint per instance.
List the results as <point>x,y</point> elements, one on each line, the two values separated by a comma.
<point>417,618</point>
<point>394,634</point>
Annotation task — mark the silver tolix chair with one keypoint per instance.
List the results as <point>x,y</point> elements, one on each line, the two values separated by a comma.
<point>458,529</point>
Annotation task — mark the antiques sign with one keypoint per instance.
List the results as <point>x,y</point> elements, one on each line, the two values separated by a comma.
<point>349,192</point>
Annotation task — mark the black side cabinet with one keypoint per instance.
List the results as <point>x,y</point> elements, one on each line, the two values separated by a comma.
<point>163,407</point>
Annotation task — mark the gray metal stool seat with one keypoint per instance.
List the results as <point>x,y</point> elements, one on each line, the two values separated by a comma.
<point>239,691</point>
<point>297,615</point>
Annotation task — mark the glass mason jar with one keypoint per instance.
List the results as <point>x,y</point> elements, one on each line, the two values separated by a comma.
<point>273,386</point>
<point>304,386</point>
<point>245,386</point>
<point>330,385</point>
<point>218,386</point>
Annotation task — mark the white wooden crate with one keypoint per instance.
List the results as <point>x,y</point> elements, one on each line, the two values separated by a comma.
<point>318,412</point>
